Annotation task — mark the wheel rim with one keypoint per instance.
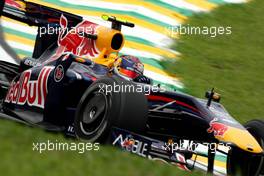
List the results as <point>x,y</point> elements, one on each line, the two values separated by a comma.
<point>93,119</point>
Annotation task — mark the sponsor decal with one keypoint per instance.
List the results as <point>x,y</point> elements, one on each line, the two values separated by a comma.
<point>32,92</point>
<point>218,128</point>
<point>31,63</point>
<point>72,41</point>
<point>128,143</point>
<point>70,129</point>
<point>181,159</point>
<point>132,145</point>
<point>58,73</point>
<point>147,148</point>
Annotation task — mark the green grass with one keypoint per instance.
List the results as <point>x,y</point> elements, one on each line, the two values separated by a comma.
<point>234,64</point>
<point>18,157</point>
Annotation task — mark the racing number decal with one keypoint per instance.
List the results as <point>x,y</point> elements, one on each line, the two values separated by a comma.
<point>32,92</point>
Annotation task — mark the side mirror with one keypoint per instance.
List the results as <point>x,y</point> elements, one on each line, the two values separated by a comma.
<point>212,96</point>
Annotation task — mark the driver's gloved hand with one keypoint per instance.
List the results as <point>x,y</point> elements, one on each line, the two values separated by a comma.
<point>143,79</point>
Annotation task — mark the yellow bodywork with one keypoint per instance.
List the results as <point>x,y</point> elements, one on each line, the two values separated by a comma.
<point>103,44</point>
<point>242,139</point>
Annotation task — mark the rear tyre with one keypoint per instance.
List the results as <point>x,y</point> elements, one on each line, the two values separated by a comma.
<point>99,110</point>
<point>244,163</point>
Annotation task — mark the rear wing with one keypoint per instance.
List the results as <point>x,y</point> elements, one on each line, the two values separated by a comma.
<point>38,15</point>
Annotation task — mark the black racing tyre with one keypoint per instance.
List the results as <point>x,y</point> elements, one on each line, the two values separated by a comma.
<point>246,164</point>
<point>98,110</point>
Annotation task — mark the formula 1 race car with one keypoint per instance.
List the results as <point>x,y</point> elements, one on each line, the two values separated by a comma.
<point>67,86</point>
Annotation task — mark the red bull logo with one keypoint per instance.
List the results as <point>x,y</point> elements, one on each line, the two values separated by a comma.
<point>74,42</point>
<point>32,92</point>
<point>219,129</point>
<point>132,145</point>
<point>128,143</point>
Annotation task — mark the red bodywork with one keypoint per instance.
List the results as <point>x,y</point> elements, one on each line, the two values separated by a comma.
<point>13,3</point>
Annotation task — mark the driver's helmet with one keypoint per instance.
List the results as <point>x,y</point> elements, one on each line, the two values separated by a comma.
<point>130,66</point>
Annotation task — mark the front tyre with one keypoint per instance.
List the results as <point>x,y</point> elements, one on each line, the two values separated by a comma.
<point>100,110</point>
<point>244,163</point>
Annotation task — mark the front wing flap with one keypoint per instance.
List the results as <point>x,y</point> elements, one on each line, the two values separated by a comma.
<point>148,148</point>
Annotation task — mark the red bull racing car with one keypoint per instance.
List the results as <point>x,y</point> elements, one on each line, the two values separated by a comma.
<point>67,86</point>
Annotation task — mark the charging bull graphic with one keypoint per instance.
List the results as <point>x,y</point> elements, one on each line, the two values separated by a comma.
<point>74,40</point>
<point>218,128</point>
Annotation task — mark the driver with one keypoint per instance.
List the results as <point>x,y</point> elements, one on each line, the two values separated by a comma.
<point>132,67</point>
